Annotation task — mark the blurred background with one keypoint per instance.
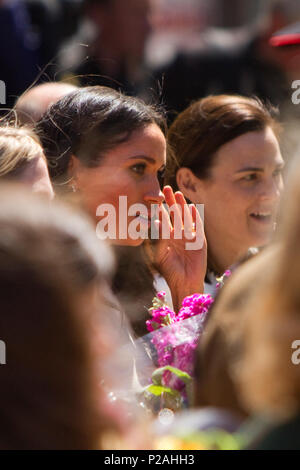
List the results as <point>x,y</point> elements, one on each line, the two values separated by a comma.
<point>168,51</point>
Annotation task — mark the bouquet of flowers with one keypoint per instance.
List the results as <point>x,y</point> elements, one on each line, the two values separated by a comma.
<point>174,338</point>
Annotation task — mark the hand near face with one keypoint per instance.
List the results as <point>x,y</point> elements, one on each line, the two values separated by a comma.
<point>182,258</point>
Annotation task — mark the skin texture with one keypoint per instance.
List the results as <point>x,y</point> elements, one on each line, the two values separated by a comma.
<point>36,175</point>
<point>245,179</point>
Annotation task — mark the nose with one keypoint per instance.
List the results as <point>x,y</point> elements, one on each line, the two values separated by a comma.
<point>153,194</point>
<point>271,189</point>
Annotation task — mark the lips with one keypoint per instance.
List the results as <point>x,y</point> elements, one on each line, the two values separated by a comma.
<point>262,216</point>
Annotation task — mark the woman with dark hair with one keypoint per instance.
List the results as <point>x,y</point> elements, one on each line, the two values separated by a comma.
<point>104,145</point>
<point>227,157</point>
<point>53,282</point>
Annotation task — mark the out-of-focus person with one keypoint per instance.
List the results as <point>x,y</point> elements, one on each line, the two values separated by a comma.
<point>114,34</point>
<point>54,276</point>
<point>268,372</point>
<point>22,160</point>
<point>32,104</point>
<point>232,61</point>
<point>30,34</point>
<point>221,346</point>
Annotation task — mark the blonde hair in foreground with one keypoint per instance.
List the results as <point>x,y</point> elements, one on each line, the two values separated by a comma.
<point>18,146</point>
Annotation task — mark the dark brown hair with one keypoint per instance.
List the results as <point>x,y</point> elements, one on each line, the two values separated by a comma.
<point>87,123</point>
<point>49,384</point>
<point>207,124</point>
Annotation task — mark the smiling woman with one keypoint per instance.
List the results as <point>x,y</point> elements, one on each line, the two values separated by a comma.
<point>130,169</point>
<point>105,146</point>
<point>228,158</point>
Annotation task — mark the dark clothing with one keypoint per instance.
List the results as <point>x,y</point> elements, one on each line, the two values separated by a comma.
<point>284,436</point>
<point>18,50</point>
<point>30,35</point>
<point>193,76</point>
<point>90,73</point>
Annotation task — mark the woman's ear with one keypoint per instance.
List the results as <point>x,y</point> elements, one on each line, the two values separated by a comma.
<point>187,183</point>
<point>73,166</point>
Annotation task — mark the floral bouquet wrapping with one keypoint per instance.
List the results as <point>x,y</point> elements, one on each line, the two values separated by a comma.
<point>171,343</point>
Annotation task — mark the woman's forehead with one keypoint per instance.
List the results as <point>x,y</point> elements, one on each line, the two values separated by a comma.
<point>147,142</point>
<point>259,148</point>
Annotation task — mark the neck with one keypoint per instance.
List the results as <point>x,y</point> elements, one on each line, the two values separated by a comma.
<point>221,256</point>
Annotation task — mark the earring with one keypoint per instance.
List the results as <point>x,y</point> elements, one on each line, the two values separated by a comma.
<point>74,189</point>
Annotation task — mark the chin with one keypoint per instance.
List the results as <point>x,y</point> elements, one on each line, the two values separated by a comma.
<point>261,240</point>
<point>129,242</point>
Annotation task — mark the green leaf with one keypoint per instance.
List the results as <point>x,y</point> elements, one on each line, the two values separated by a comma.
<point>158,390</point>
<point>158,374</point>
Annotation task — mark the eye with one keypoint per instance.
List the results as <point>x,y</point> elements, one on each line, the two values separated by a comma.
<point>139,168</point>
<point>250,177</point>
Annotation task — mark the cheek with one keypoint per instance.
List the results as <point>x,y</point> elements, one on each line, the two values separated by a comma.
<point>227,205</point>
<point>109,191</point>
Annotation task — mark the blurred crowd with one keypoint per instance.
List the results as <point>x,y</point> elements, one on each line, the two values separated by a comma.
<point>155,48</point>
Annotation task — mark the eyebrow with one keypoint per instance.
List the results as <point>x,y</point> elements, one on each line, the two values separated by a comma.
<point>148,159</point>
<point>252,168</point>
<point>144,157</point>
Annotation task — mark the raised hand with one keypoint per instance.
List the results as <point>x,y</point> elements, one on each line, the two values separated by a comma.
<point>182,258</point>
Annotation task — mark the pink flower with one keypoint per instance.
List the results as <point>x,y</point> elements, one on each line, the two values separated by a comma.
<point>175,345</point>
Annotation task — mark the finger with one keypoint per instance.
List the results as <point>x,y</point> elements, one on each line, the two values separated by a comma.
<point>174,209</point>
<point>164,224</point>
<point>185,210</point>
<point>198,226</point>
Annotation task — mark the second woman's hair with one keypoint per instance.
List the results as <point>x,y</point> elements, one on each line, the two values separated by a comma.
<point>207,124</point>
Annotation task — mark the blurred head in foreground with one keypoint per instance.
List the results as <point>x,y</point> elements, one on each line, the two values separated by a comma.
<point>270,372</point>
<point>53,274</point>
<point>22,160</point>
<point>222,345</point>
